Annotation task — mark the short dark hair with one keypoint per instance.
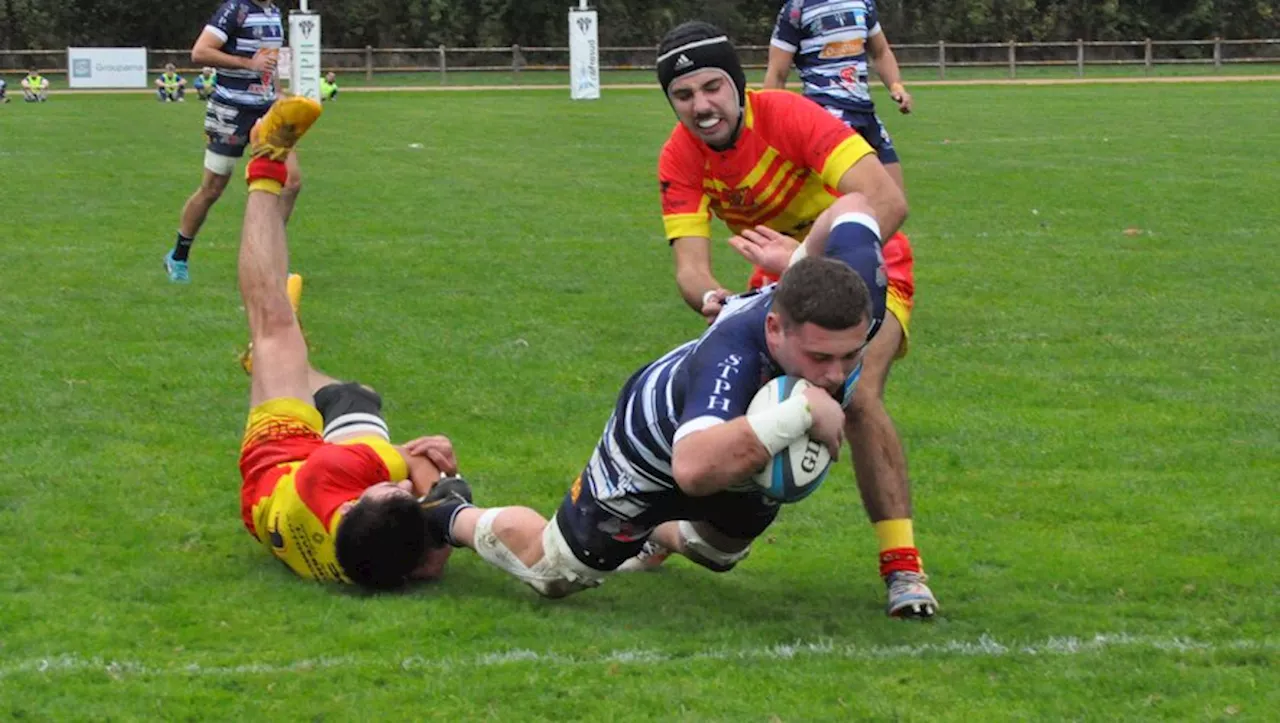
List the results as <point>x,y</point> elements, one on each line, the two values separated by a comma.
<point>379,542</point>
<point>822,291</point>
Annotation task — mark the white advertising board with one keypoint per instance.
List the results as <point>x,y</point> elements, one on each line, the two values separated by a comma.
<point>107,67</point>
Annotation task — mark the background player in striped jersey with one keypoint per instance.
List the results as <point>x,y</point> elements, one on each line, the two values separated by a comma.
<point>829,41</point>
<point>777,160</point>
<point>677,455</point>
<point>323,488</point>
<point>242,41</point>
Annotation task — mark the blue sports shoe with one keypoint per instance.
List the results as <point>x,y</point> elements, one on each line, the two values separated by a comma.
<point>176,269</point>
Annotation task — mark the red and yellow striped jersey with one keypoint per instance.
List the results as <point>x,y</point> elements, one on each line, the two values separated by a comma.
<point>782,172</point>
<point>295,484</point>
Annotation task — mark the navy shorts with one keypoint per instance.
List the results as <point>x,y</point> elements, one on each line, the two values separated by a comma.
<point>868,126</point>
<point>602,540</point>
<point>227,126</point>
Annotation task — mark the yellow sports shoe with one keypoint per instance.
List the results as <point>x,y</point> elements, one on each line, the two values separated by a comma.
<point>292,287</point>
<point>283,126</point>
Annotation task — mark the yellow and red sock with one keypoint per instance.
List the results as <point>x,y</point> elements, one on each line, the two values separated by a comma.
<point>264,174</point>
<point>898,551</point>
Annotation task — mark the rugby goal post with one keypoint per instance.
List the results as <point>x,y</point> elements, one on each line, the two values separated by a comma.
<point>303,62</point>
<point>584,53</point>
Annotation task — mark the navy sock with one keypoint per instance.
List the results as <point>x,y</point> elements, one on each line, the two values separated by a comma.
<point>182,248</point>
<point>440,518</point>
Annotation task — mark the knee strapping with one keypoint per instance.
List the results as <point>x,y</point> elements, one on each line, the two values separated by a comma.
<point>559,573</point>
<point>706,554</point>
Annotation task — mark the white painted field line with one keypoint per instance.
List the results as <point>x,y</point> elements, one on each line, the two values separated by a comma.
<point>983,647</point>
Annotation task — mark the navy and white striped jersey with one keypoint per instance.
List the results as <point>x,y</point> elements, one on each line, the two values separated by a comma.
<point>709,381</point>
<point>245,28</point>
<point>694,386</point>
<point>829,39</point>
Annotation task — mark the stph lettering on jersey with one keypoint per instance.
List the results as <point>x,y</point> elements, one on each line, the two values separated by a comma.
<point>729,368</point>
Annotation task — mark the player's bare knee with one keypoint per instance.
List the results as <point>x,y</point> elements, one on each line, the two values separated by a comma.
<point>519,541</point>
<point>272,319</point>
<point>212,188</point>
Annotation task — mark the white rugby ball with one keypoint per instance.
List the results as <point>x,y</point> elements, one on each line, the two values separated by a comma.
<point>797,471</point>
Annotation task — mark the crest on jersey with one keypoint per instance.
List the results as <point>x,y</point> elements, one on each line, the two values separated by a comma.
<point>739,197</point>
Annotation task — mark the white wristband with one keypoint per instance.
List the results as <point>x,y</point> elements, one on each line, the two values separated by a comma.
<point>801,252</point>
<point>707,296</point>
<point>782,425</point>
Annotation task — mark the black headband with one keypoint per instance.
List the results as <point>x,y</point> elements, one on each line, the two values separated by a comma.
<point>698,55</point>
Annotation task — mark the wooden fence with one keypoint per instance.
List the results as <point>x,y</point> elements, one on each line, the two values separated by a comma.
<point>942,56</point>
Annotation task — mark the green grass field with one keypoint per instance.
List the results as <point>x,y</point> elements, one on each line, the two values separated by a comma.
<point>1089,417</point>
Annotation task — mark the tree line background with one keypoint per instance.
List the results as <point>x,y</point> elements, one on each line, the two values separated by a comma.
<point>30,24</point>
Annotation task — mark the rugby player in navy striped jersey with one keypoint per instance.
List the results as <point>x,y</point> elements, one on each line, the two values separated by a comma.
<point>242,41</point>
<point>677,455</point>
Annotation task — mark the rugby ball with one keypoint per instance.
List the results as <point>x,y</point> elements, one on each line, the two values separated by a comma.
<point>797,471</point>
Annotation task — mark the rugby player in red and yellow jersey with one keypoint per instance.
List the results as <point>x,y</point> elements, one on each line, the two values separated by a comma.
<point>323,488</point>
<point>776,160</point>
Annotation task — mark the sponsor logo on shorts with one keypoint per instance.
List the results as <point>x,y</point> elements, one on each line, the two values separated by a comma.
<point>621,530</point>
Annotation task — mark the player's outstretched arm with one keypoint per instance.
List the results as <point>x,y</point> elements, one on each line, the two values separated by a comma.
<point>698,286</point>
<point>770,250</point>
<point>774,251</point>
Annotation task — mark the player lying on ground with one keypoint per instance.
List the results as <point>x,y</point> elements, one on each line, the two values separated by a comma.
<point>776,159</point>
<point>323,488</point>
<point>677,457</point>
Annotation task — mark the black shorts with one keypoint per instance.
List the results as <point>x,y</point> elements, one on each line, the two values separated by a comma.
<point>868,126</point>
<point>227,126</point>
<point>346,405</point>
<point>602,540</point>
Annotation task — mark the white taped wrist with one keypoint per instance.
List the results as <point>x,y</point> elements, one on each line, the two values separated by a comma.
<point>706,298</point>
<point>779,427</point>
<point>800,253</point>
